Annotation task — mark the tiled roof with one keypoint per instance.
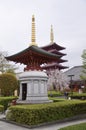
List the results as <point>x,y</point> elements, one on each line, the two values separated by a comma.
<point>76,71</point>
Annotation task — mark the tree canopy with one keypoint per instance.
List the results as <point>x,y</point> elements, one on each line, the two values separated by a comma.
<point>8,84</point>
<point>83,76</point>
<point>57,80</point>
<point>5,66</point>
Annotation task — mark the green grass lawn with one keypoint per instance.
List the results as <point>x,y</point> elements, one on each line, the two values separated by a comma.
<point>81,126</point>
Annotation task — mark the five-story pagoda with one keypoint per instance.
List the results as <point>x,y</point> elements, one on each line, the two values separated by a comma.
<point>55,49</point>
<point>33,81</point>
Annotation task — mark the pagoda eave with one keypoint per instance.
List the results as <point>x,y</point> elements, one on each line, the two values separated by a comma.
<point>57,52</point>
<point>53,66</point>
<point>33,55</point>
<point>53,46</point>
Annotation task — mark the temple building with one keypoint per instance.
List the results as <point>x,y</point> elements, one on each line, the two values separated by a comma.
<point>57,80</point>
<point>55,49</point>
<point>74,75</point>
<point>33,81</point>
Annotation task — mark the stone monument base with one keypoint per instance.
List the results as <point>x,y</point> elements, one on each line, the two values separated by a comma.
<point>33,87</point>
<point>33,102</point>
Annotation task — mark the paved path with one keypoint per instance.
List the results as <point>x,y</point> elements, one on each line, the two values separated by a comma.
<point>57,126</point>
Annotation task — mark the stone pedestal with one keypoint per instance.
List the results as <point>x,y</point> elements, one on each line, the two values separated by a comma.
<point>33,87</point>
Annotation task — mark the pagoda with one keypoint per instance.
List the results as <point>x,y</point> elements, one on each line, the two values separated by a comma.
<point>33,81</point>
<point>54,49</point>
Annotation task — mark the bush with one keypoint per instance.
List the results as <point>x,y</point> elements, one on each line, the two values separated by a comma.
<point>55,99</point>
<point>1,108</point>
<point>54,93</point>
<point>5,101</point>
<point>42,113</point>
<point>8,84</point>
<point>79,96</point>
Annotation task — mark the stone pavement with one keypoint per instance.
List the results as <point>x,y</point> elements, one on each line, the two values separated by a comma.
<point>8,126</point>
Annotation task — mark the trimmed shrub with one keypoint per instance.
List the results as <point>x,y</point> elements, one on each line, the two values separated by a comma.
<point>1,108</point>
<point>8,84</point>
<point>54,93</point>
<point>79,96</point>
<point>5,101</point>
<point>41,113</point>
<point>55,99</point>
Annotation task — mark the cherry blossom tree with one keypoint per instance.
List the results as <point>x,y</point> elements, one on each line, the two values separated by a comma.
<point>57,80</point>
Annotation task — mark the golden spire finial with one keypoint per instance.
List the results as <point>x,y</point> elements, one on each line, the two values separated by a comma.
<point>33,39</point>
<point>51,34</point>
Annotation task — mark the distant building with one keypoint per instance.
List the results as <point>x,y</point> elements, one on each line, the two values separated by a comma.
<point>74,74</point>
<point>76,71</point>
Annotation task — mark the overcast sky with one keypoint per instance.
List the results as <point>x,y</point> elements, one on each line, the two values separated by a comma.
<point>68,18</point>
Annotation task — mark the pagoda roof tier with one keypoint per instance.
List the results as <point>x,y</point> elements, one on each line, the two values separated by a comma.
<point>53,66</point>
<point>53,46</point>
<point>61,61</point>
<point>57,52</point>
<point>33,54</point>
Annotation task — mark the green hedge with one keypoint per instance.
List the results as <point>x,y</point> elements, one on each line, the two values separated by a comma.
<point>78,97</point>
<point>1,108</point>
<point>81,96</point>
<point>41,113</point>
<point>55,99</point>
<point>5,101</point>
<point>54,93</point>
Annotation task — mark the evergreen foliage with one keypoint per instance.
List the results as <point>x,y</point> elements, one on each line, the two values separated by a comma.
<point>1,108</point>
<point>8,84</point>
<point>44,113</point>
<point>83,76</point>
<point>6,101</point>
